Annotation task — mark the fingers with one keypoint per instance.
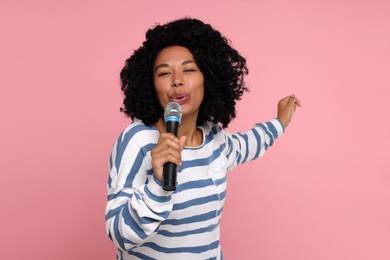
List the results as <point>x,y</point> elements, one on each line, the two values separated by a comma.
<point>296,100</point>
<point>167,141</point>
<point>182,142</point>
<point>284,101</point>
<point>286,109</point>
<point>168,149</point>
<point>293,101</point>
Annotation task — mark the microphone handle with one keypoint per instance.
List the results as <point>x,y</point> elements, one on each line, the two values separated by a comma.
<point>170,169</point>
<point>172,126</point>
<point>169,176</point>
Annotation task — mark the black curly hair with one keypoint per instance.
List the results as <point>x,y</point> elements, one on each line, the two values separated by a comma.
<point>222,66</point>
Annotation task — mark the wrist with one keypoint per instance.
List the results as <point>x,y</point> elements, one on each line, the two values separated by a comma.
<point>283,122</point>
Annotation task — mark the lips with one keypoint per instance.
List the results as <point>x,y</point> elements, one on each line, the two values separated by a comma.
<point>179,98</point>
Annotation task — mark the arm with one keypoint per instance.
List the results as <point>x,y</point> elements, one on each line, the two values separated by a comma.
<point>136,202</point>
<point>242,147</point>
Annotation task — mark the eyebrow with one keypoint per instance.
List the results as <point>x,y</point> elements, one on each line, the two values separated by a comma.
<point>164,65</point>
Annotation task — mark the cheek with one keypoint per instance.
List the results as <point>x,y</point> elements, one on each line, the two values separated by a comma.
<point>162,90</point>
<point>201,92</point>
<point>159,87</point>
<point>201,88</point>
<point>199,95</point>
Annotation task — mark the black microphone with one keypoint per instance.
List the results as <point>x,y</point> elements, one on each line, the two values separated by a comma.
<point>172,116</point>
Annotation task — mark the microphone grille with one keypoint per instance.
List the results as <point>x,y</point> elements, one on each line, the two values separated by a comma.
<point>172,109</point>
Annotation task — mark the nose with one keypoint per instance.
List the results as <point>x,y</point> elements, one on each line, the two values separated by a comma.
<point>177,81</point>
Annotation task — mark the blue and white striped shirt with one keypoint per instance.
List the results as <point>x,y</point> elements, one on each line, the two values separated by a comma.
<point>147,222</point>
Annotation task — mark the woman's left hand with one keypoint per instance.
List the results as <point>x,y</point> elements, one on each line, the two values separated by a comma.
<point>286,109</point>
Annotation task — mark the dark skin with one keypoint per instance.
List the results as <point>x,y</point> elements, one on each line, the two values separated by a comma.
<point>177,78</point>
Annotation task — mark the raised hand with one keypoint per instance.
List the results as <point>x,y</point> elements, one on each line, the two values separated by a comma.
<point>286,109</point>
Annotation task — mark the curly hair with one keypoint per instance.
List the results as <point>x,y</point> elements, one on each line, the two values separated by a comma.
<point>222,66</point>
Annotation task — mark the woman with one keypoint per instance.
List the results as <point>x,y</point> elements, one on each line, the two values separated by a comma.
<point>188,62</point>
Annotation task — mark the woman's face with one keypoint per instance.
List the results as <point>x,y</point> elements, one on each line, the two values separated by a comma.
<point>178,78</point>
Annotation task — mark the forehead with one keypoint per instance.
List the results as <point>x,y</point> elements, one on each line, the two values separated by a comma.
<point>172,54</point>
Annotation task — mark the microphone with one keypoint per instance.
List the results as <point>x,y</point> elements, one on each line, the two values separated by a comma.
<point>172,116</point>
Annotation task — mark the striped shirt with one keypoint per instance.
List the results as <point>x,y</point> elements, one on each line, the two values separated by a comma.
<point>145,221</point>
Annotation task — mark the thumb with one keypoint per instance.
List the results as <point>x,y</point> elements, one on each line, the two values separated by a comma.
<point>182,141</point>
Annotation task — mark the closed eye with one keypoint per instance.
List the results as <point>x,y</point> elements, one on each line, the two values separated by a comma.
<point>162,74</point>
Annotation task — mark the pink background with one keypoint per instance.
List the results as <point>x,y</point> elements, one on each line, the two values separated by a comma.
<point>322,192</point>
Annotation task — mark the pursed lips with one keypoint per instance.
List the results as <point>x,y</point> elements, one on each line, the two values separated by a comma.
<point>179,98</point>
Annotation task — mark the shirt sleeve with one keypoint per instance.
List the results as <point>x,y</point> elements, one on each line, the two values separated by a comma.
<point>136,204</point>
<point>242,147</point>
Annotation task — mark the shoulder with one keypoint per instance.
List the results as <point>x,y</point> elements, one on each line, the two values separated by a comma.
<point>138,132</point>
<point>213,132</point>
<point>211,128</point>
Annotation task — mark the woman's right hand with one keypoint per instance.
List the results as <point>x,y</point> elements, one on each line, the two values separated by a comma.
<point>168,149</point>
